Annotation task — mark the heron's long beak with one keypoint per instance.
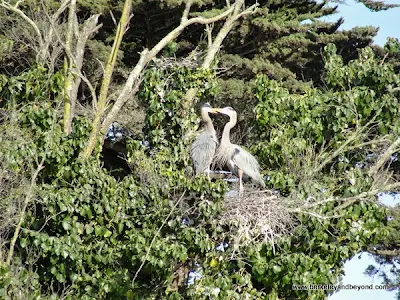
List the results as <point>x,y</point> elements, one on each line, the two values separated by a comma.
<point>217,110</point>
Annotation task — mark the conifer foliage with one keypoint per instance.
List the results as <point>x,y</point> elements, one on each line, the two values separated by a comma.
<point>317,106</point>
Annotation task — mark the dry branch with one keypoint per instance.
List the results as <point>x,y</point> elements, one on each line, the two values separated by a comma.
<point>346,145</point>
<point>43,37</point>
<point>76,58</point>
<point>109,69</point>
<point>146,56</point>
<point>69,103</point>
<point>19,12</point>
<point>226,28</point>
<point>28,197</point>
<point>215,46</point>
<point>394,147</point>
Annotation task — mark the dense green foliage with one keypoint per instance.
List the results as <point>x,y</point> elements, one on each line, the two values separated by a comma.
<point>303,133</point>
<point>322,120</point>
<point>316,252</point>
<point>386,254</point>
<point>169,116</point>
<point>84,224</point>
<point>92,233</point>
<point>356,105</point>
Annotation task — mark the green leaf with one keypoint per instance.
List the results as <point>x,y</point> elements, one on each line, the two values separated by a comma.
<point>277,269</point>
<point>88,228</point>
<point>64,253</point>
<point>66,223</point>
<point>23,242</point>
<point>98,230</point>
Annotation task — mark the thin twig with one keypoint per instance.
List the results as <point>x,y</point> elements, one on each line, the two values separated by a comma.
<point>16,10</point>
<point>383,59</point>
<point>90,86</point>
<point>155,236</point>
<point>342,148</point>
<point>364,195</point>
<point>29,193</point>
<point>394,147</point>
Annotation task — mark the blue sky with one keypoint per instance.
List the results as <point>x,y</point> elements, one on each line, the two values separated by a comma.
<point>355,267</point>
<point>356,14</point>
<point>355,275</point>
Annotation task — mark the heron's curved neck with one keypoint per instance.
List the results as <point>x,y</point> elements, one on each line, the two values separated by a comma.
<point>227,130</point>
<point>207,122</point>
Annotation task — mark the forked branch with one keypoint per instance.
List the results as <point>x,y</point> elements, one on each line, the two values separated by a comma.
<point>147,55</point>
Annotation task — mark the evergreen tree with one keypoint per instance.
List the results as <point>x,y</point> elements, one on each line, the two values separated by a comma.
<point>327,127</point>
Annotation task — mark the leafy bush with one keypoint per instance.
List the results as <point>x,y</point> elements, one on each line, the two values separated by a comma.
<point>305,130</point>
<point>94,237</point>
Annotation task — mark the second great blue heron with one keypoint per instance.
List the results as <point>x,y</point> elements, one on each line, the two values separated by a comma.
<point>203,148</point>
<point>240,162</point>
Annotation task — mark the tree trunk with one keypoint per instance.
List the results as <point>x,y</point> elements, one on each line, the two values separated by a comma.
<point>232,12</point>
<point>102,101</point>
<point>69,102</point>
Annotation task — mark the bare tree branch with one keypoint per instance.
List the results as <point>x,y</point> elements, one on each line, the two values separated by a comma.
<point>90,86</point>
<point>352,199</point>
<point>316,215</point>
<point>89,27</point>
<point>345,146</point>
<point>16,10</point>
<point>147,55</point>
<point>226,28</point>
<point>209,29</point>
<point>178,30</point>
<point>44,52</point>
<point>126,91</point>
<point>69,102</point>
<point>186,11</point>
<point>215,46</point>
<point>102,100</point>
<point>394,147</point>
<point>394,89</point>
<point>250,10</point>
<point>384,140</point>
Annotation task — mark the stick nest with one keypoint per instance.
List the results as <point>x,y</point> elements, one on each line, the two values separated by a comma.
<point>257,216</point>
<point>192,61</point>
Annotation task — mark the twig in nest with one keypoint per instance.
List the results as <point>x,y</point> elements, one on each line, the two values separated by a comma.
<point>191,61</point>
<point>257,215</point>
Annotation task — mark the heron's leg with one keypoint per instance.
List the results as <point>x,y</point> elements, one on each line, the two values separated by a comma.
<point>208,173</point>
<point>240,173</point>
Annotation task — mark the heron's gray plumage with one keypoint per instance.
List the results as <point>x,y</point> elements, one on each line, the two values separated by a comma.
<point>235,156</point>
<point>204,147</point>
<point>245,161</point>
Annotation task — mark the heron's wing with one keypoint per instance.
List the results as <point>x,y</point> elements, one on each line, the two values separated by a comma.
<point>202,151</point>
<point>247,162</point>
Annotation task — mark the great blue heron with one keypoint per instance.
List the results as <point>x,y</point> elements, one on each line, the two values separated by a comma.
<point>204,147</point>
<point>239,161</point>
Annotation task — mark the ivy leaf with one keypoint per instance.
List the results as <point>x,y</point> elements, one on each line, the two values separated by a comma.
<point>66,224</point>
<point>277,269</point>
<point>23,242</point>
